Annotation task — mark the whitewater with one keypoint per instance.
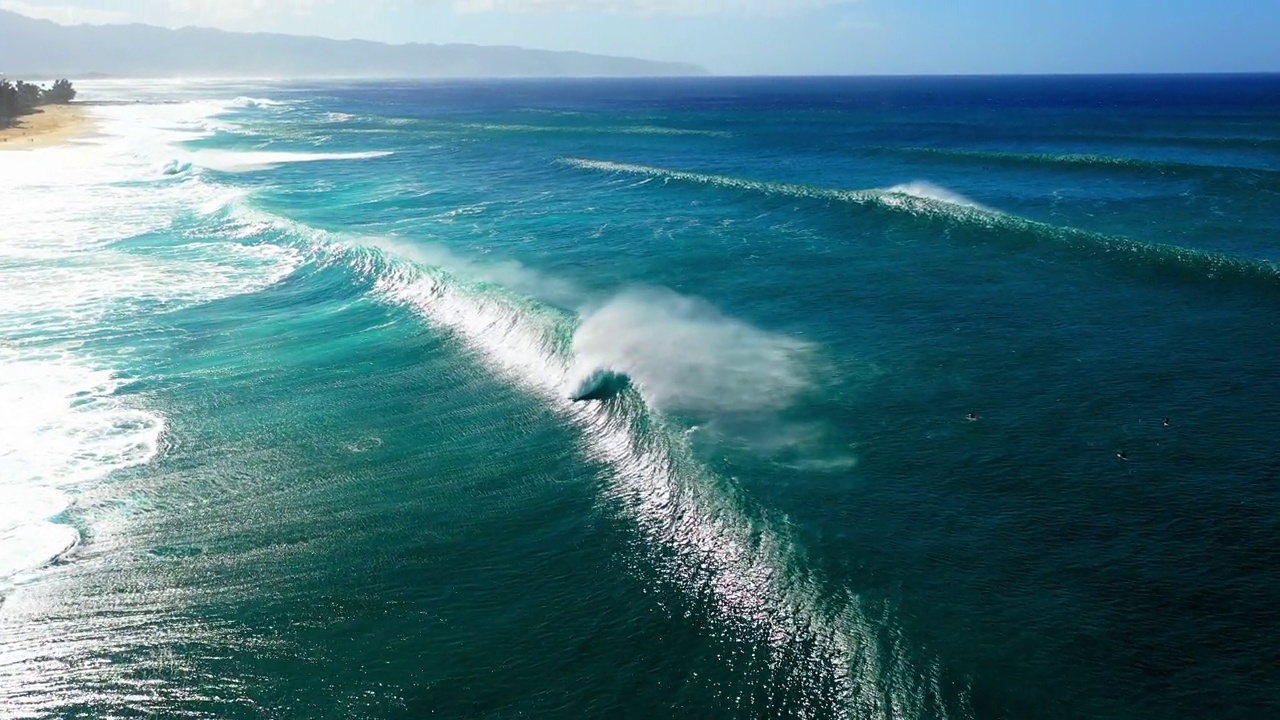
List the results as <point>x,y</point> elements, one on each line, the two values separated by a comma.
<point>64,283</point>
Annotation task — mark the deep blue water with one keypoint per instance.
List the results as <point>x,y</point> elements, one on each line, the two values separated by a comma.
<point>293,367</point>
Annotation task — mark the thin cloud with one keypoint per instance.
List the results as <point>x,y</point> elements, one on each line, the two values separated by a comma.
<point>236,12</point>
<point>641,7</point>
<point>249,14</point>
<point>233,14</point>
<point>64,14</point>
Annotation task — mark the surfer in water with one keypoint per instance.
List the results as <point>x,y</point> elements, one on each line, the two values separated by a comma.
<point>970,417</point>
<point>1122,456</point>
<point>1166,422</point>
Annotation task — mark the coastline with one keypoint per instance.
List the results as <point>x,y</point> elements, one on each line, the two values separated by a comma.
<point>52,125</point>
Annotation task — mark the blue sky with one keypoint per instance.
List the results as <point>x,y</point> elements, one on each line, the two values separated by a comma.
<point>773,36</point>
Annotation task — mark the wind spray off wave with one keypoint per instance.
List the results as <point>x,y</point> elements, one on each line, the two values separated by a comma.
<point>687,356</point>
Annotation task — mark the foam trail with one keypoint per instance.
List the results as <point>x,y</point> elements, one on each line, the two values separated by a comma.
<point>252,102</point>
<point>230,161</point>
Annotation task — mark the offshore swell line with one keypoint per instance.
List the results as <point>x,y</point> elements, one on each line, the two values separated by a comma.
<point>1087,161</point>
<point>927,202</point>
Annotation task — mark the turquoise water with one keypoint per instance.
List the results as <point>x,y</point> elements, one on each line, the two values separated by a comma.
<point>290,426</point>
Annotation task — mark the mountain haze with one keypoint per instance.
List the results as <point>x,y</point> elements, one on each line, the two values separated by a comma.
<point>31,47</point>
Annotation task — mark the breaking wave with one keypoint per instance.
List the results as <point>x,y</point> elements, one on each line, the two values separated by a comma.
<point>602,367</point>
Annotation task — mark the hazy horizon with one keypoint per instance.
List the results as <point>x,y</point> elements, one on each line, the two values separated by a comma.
<point>757,37</point>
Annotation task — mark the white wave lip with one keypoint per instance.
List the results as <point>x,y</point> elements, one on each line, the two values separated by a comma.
<point>928,191</point>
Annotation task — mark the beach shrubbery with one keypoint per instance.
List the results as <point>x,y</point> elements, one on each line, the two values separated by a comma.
<point>19,98</point>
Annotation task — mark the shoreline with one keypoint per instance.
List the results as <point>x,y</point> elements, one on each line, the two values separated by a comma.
<point>52,125</point>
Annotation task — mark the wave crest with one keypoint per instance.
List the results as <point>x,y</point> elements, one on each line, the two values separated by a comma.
<point>710,542</point>
<point>928,191</point>
<point>927,201</point>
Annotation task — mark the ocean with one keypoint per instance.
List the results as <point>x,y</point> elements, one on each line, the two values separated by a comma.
<point>707,398</point>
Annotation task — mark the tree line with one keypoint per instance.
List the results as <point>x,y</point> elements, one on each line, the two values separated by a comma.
<point>20,98</point>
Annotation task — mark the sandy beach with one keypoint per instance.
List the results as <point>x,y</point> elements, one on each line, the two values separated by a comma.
<point>53,125</point>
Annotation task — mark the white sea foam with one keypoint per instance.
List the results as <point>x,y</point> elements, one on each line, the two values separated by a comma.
<point>65,425</point>
<point>231,161</point>
<point>62,427</point>
<point>252,102</point>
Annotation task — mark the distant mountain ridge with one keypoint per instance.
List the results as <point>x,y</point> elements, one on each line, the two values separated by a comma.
<point>40,48</point>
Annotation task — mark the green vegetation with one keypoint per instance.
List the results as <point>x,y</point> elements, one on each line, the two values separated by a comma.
<point>21,98</point>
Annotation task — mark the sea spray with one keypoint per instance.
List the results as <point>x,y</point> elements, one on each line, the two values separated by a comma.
<point>687,356</point>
